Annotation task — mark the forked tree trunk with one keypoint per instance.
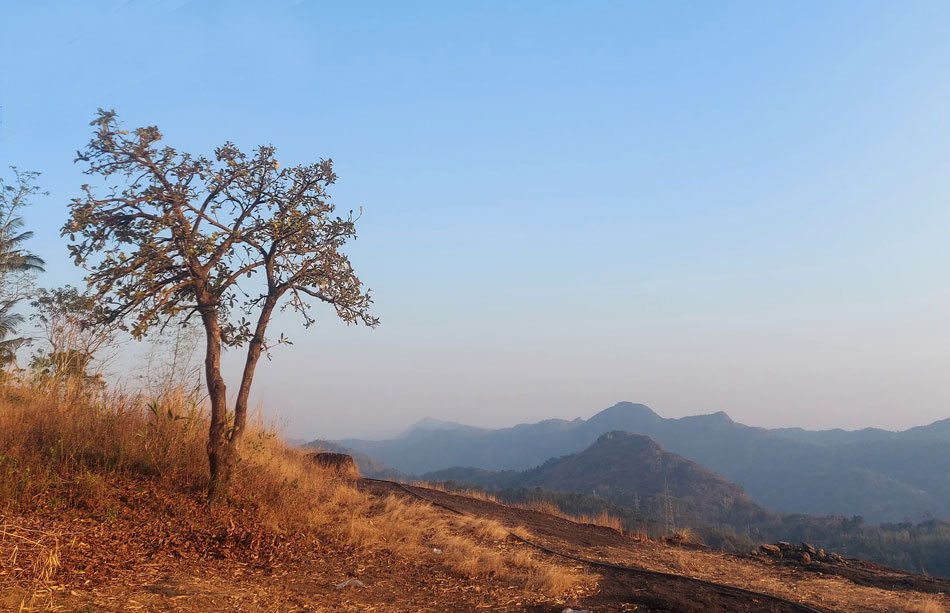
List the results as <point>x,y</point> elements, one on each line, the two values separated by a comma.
<point>222,441</point>
<point>220,453</point>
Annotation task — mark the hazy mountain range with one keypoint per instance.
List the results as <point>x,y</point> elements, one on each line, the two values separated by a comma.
<point>878,474</point>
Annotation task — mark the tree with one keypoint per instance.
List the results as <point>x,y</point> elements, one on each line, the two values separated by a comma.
<point>9,323</point>
<point>228,239</point>
<point>76,329</point>
<point>17,265</point>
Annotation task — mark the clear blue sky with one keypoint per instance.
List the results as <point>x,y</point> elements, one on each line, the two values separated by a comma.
<point>697,205</point>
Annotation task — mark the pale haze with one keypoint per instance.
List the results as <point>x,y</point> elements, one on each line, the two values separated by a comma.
<point>698,206</point>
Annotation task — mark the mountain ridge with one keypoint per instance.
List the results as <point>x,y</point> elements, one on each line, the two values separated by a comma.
<point>891,478</point>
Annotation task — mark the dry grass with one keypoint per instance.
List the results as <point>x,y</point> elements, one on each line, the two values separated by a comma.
<point>469,493</point>
<point>547,507</point>
<point>603,518</point>
<point>925,604</point>
<point>68,454</point>
<point>31,559</point>
<point>542,506</point>
<point>684,536</point>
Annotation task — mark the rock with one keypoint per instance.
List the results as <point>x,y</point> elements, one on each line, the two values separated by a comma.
<point>822,555</point>
<point>805,558</point>
<point>809,549</point>
<point>772,550</point>
<point>350,583</point>
<point>784,546</point>
<point>340,463</point>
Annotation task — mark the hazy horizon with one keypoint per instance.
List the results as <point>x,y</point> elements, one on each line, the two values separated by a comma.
<point>389,434</point>
<point>696,206</point>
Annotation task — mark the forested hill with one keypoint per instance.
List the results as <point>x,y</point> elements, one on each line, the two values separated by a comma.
<point>630,470</point>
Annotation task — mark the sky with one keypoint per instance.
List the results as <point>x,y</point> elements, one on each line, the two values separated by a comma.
<point>701,206</point>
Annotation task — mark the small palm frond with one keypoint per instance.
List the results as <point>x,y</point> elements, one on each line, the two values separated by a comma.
<point>8,349</point>
<point>9,322</point>
<point>13,259</point>
<point>18,261</point>
<point>10,345</point>
<point>19,238</point>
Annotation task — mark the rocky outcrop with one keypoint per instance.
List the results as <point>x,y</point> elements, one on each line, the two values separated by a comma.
<point>339,463</point>
<point>804,553</point>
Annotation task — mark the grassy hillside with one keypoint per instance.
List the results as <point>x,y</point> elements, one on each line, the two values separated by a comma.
<point>102,497</point>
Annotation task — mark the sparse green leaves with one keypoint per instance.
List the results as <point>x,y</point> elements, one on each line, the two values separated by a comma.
<point>168,232</point>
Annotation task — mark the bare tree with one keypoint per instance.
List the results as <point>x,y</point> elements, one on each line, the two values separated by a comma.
<point>229,238</point>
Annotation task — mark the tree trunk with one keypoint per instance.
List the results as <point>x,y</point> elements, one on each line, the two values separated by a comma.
<point>254,348</point>
<point>220,452</point>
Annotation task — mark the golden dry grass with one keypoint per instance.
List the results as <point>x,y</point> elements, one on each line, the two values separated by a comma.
<point>547,507</point>
<point>925,604</point>
<point>686,536</point>
<point>603,518</point>
<point>470,493</point>
<point>64,452</point>
<point>30,557</point>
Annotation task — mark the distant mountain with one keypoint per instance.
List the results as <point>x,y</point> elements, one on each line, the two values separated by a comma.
<point>522,446</point>
<point>431,424</point>
<point>834,437</point>
<point>881,476</point>
<point>630,470</point>
<point>939,430</point>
